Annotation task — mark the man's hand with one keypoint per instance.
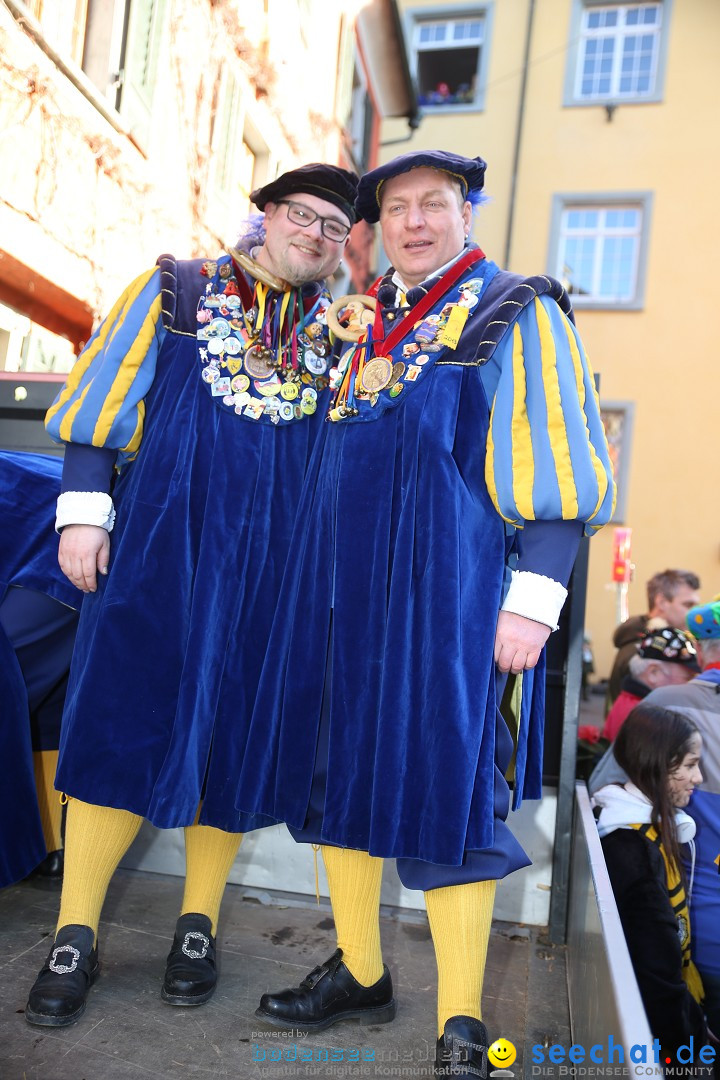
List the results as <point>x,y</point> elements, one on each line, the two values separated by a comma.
<point>518,642</point>
<point>84,550</point>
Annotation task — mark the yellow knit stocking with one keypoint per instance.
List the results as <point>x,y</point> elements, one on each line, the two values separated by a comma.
<point>354,878</point>
<point>460,918</point>
<point>209,855</point>
<point>45,766</point>
<point>96,838</point>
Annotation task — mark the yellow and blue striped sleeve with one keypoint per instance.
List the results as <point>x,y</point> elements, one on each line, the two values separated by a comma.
<point>547,456</point>
<point>102,402</point>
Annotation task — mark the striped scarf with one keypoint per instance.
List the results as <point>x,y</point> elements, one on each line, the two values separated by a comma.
<point>678,902</point>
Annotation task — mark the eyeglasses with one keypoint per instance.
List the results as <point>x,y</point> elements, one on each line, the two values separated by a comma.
<point>302,215</point>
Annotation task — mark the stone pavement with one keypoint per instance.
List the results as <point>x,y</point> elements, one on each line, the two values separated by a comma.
<point>128,1033</point>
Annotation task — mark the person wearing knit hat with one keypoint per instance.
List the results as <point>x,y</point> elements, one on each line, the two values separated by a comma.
<point>665,657</point>
<point>205,388</point>
<point>463,460</point>
<point>703,620</point>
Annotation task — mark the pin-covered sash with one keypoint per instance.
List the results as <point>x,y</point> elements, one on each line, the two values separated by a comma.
<point>379,364</point>
<point>263,354</point>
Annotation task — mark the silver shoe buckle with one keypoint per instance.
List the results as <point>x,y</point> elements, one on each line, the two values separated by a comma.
<point>194,954</point>
<point>64,969</point>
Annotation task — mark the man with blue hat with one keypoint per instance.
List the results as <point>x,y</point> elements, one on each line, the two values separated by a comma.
<point>463,460</point>
<point>205,386</point>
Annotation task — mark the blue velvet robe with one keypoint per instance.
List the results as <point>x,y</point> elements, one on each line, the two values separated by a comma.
<point>170,646</point>
<point>398,537</point>
<point>29,486</point>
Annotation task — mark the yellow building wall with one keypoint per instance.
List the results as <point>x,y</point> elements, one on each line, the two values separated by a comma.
<point>662,358</point>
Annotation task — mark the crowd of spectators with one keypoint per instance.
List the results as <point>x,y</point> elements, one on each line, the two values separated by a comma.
<point>656,794</point>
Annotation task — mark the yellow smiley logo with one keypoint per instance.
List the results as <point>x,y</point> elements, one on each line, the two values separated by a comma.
<point>502,1053</point>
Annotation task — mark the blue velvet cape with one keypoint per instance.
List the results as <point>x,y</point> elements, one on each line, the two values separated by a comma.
<point>397,535</point>
<point>170,646</point>
<point>29,487</point>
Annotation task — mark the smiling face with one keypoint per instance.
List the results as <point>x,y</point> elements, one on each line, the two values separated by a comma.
<point>686,776</point>
<point>502,1053</point>
<point>296,253</point>
<point>424,222</point>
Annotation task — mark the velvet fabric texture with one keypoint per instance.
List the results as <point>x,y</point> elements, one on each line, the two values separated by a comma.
<point>396,535</point>
<point>502,858</point>
<point>41,631</point>
<point>170,646</point>
<point>22,845</point>
<point>29,486</point>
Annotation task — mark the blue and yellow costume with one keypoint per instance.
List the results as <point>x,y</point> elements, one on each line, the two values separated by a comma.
<point>406,535</point>
<point>205,385</point>
<point>171,643</point>
<point>464,458</point>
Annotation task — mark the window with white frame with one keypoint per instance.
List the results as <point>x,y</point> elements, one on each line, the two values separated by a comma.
<point>141,48</point>
<point>63,25</point>
<point>619,49</point>
<point>600,251</point>
<point>448,55</point>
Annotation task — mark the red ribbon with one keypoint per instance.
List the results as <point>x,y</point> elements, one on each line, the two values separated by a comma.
<point>383,345</point>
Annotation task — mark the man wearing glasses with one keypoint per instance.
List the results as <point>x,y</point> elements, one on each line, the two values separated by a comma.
<point>445,502</point>
<point>203,389</point>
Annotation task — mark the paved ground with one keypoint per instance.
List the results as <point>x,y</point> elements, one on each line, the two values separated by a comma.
<point>128,1033</point>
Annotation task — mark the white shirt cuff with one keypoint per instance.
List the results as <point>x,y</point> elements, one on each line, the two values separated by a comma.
<point>535,596</point>
<point>85,508</point>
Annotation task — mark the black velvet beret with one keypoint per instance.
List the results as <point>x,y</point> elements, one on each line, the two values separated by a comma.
<point>469,172</point>
<point>328,182</point>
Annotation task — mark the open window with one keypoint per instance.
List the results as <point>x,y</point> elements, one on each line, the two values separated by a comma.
<point>449,57</point>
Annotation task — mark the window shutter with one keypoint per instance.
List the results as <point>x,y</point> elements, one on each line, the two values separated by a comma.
<point>142,44</point>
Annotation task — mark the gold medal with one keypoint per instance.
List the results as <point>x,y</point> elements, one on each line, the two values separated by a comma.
<point>376,374</point>
<point>259,362</point>
<point>289,391</point>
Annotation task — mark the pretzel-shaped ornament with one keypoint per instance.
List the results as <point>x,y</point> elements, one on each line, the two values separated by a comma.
<point>357,310</point>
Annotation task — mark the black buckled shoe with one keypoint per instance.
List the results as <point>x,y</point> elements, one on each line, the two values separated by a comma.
<point>329,994</point>
<point>59,994</point>
<point>190,975</point>
<point>462,1052</point>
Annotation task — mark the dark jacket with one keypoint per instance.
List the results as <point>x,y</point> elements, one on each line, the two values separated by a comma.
<point>637,874</point>
<point>626,639</point>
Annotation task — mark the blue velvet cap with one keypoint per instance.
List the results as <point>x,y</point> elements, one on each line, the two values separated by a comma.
<point>469,172</point>
<point>328,182</point>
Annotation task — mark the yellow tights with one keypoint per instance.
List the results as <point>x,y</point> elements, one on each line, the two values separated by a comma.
<point>45,766</point>
<point>460,918</point>
<point>354,878</point>
<point>97,837</point>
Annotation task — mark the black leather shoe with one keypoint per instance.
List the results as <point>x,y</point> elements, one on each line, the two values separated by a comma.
<point>60,991</point>
<point>52,866</point>
<point>462,1052</point>
<point>49,873</point>
<point>327,995</point>
<point>190,976</point>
